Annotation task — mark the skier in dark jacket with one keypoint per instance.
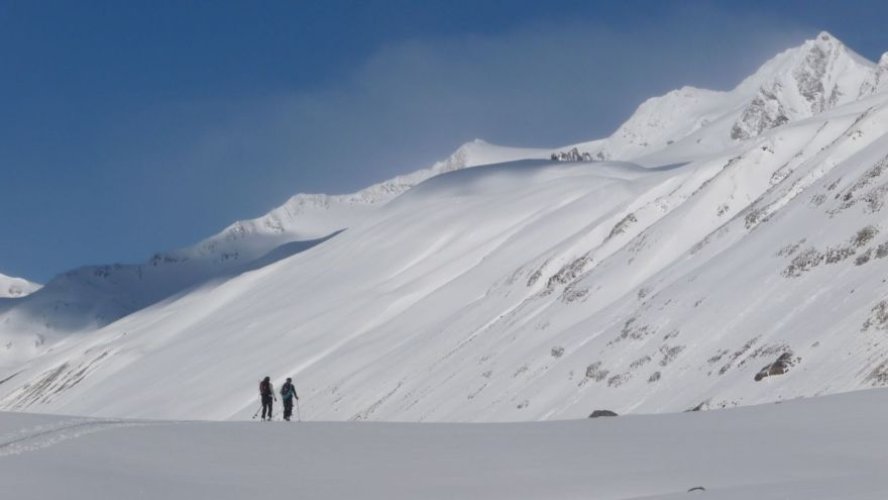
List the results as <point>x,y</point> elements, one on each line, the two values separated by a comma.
<point>288,394</point>
<point>266,392</point>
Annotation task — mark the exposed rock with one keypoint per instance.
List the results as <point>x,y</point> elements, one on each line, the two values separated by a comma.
<point>864,257</point>
<point>864,236</point>
<point>573,155</point>
<point>621,226</point>
<point>838,254</point>
<point>811,84</point>
<point>602,413</point>
<point>573,294</point>
<point>779,367</point>
<point>699,407</point>
<point>878,80</point>
<point>878,317</point>
<point>634,331</point>
<point>595,372</point>
<point>803,262</point>
<point>879,375</point>
<point>640,362</point>
<point>764,112</point>
<point>670,353</point>
<point>618,380</point>
<point>568,272</point>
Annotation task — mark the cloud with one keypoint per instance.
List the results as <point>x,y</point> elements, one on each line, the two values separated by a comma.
<point>546,84</point>
<point>187,169</point>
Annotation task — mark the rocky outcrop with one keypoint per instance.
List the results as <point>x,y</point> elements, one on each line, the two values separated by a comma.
<point>803,82</point>
<point>878,80</point>
<point>778,367</point>
<point>764,112</point>
<point>602,413</point>
<point>573,155</point>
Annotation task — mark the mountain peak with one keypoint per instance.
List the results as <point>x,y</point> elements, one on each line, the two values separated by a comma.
<point>810,78</point>
<point>312,216</point>
<point>801,82</point>
<point>817,52</point>
<point>826,37</point>
<point>16,287</point>
<point>824,42</point>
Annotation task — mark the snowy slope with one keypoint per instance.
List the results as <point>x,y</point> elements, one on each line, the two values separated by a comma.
<point>799,83</point>
<point>422,313</point>
<point>90,297</point>
<point>714,271</point>
<point>313,216</point>
<point>415,245</point>
<point>820,449</point>
<point>16,287</point>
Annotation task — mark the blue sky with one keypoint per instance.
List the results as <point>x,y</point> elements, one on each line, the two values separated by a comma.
<point>132,127</point>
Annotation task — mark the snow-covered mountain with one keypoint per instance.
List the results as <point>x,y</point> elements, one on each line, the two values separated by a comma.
<point>16,287</point>
<point>90,297</point>
<point>799,83</point>
<point>728,249</point>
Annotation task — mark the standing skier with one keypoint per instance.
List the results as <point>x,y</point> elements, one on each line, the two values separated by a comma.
<point>288,393</point>
<point>266,392</point>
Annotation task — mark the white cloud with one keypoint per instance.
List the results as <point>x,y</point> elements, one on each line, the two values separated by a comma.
<point>413,102</point>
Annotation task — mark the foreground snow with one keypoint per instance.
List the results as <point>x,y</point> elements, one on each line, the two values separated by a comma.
<point>825,448</point>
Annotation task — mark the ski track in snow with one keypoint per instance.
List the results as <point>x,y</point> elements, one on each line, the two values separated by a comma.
<point>45,436</point>
<point>814,449</point>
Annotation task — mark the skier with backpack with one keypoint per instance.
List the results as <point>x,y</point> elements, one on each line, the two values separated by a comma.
<point>266,393</point>
<point>288,394</point>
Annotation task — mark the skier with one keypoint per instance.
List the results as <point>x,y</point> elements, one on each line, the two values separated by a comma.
<point>266,392</point>
<point>288,393</point>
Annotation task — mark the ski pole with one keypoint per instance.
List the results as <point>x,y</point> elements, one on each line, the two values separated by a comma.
<point>258,409</point>
<point>298,413</point>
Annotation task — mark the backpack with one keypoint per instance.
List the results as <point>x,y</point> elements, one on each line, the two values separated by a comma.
<point>287,391</point>
<point>264,389</point>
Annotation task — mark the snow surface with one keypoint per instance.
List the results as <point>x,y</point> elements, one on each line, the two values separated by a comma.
<point>702,270</point>
<point>16,287</point>
<point>90,297</point>
<point>818,449</point>
<point>799,83</point>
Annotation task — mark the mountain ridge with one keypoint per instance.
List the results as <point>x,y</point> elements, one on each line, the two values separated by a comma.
<point>11,287</point>
<point>795,84</point>
<point>704,272</point>
<point>90,297</point>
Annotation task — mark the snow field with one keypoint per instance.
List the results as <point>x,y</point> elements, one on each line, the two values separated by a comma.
<point>818,449</point>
